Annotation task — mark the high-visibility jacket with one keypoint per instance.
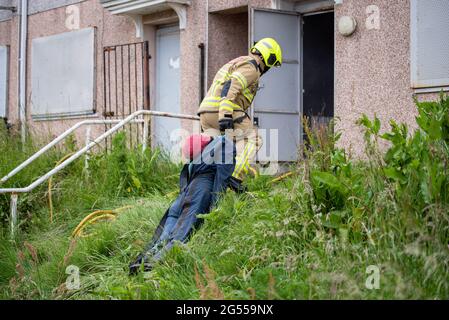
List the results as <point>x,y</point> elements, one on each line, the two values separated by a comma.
<point>233,89</point>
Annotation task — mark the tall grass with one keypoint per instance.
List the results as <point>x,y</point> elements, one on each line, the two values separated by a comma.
<point>111,179</point>
<point>313,235</point>
<point>119,173</point>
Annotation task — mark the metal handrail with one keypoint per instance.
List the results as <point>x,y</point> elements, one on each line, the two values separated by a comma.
<point>15,191</point>
<point>58,139</point>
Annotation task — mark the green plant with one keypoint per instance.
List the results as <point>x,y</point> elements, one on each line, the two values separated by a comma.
<point>309,236</point>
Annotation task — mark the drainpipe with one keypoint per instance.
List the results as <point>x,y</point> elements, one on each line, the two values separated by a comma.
<point>206,64</point>
<point>202,72</point>
<point>22,67</point>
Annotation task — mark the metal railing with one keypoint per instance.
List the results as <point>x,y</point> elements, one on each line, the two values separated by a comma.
<point>89,145</point>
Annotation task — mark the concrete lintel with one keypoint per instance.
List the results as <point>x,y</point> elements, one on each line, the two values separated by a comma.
<point>138,22</point>
<point>137,9</point>
<point>181,11</point>
<point>160,18</point>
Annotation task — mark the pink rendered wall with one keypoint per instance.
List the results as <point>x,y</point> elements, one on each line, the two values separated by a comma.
<point>372,70</point>
<point>110,30</point>
<point>228,39</point>
<point>8,34</point>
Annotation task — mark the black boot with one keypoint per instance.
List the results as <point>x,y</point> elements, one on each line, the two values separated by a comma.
<point>237,185</point>
<point>136,266</point>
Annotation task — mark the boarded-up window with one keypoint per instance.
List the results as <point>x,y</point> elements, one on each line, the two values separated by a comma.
<point>3,81</point>
<point>429,43</point>
<point>62,73</point>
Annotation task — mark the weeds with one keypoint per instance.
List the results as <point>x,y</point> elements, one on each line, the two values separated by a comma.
<point>311,235</point>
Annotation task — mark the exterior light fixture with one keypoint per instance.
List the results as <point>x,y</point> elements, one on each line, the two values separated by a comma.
<point>347,25</point>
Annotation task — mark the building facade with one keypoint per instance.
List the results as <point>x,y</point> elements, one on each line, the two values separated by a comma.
<point>108,58</point>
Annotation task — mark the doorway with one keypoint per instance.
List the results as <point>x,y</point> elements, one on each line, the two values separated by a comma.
<point>318,69</point>
<point>303,86</point>
<point>168,67</point>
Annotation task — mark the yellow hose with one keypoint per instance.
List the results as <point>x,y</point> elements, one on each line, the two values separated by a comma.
<point>288,174</point>
<point>89,217</point>
<point>253,171</point>
<point>106,216</point>
<point>96,216</point>
<point>50,182</point>
<point>123,209</point>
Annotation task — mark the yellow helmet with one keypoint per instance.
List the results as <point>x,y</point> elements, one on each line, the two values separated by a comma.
<point>270,50</point>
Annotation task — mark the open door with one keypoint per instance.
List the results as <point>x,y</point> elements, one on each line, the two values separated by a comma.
<point>278,103</point>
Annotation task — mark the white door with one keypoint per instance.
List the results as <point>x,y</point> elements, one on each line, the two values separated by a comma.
<point>167,86</point>
<point>278,102</point>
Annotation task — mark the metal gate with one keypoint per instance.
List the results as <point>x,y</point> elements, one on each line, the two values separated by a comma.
<point>126,85</point>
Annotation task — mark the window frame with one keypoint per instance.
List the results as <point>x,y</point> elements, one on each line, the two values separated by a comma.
<point>421,86</point>
<point>92,112</point>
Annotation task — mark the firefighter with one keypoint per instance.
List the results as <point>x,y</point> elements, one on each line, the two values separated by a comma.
<point>224,109</point>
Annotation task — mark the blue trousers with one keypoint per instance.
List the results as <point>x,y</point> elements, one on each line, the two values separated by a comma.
<point>182,219</point>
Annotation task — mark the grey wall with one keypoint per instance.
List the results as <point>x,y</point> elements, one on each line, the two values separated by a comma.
<point>34,6</point>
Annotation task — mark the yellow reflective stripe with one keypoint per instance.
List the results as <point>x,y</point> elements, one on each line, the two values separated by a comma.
<point>229,103</point>
<point>226,108</point>
<point>224,73</point>
<point>212,99</point>
<point>246,160</point>
<point>225,77</point>
<point>211,102</point>
<point>248,156</point>
<point>248,95</point>
<point>220,102</point>
<point>238,167</point>
<point>241,78</point>
<point>213,88</point>
<point>243,160</point>
<point>215,85</point>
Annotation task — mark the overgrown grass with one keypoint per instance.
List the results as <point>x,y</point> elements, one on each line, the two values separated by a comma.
<point>310,236</point>
<point>112,179</point>
<point>117,174</point>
